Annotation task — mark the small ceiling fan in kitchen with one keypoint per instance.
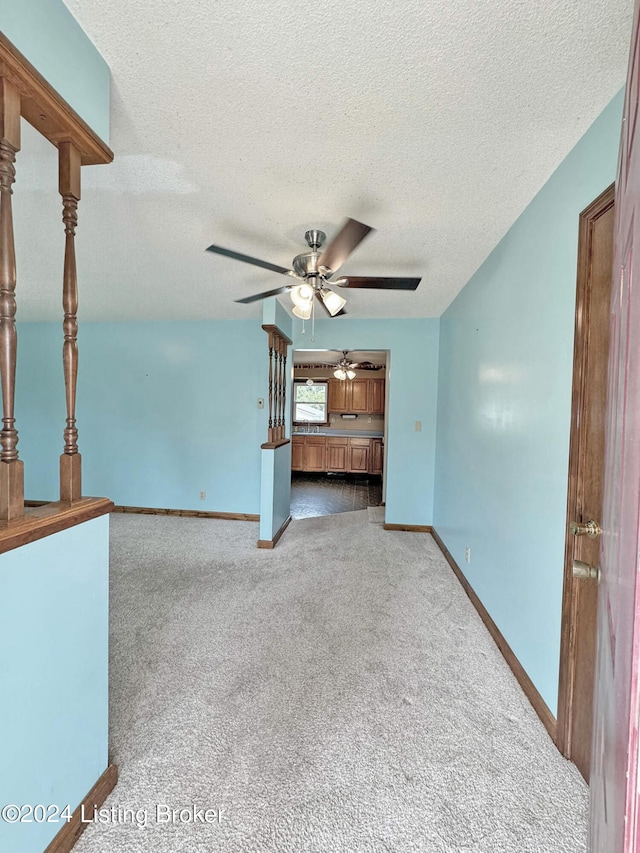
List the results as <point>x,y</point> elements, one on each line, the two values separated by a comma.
<point>345,368</point>
<point>313,271</point>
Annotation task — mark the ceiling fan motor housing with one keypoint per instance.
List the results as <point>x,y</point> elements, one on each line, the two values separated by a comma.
<point>306,264</point>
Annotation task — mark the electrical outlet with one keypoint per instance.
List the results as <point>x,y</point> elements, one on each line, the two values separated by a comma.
<point>203,496</point>
<point>368,420</point>
<point>467,554</point>
<point>418,426</point>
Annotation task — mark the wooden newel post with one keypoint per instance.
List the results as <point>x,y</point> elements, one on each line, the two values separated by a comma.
<point>11,468</point>
<point>69,187</point>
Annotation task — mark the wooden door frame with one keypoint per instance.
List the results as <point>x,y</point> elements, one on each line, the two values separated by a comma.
<point>578,401</point>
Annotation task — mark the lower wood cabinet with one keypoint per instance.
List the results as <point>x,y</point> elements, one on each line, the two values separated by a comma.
<point>314,453</point>
<point>336,454</point>
<point>359,454</point>
<point>376,456</point>
<point>297,453</point>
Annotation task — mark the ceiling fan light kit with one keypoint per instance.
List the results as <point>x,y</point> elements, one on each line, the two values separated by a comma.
<point>302,311</point>
<point>313,270</point>
<point>333,302</point>
<point>302,295</point>
<point>344,369</point>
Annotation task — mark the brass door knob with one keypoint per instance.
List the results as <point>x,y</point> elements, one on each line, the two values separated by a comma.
<point>585,571</point>
<point>591,529</point>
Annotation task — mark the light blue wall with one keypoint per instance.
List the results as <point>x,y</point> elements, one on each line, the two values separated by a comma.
<point>412,378</point>
<point>165,410</point>
<point>54,597</point>
<point>275,505</point>
<point>504,409</point>
<point>48,35</point>
<point>275,499</point>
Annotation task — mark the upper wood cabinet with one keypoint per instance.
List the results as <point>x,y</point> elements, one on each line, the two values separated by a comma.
<point>376,396</point>
<point>356,396</point>
<point>337,396</point>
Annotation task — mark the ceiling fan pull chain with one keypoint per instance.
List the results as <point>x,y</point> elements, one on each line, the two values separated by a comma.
<point>313,322</point>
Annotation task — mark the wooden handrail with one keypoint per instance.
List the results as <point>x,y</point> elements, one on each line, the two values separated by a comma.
<point>50,518</point>
<point>46,110</point>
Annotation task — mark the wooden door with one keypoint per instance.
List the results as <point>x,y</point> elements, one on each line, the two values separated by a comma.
<point>376,397</point>
<point>337,396</point>
<point>358,399</point>
<point>586,477</point>
<point>614,764</point>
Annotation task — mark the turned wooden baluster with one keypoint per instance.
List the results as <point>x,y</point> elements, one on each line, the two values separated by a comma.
<point>11,468</point>
<point>270,431</point>
<point>284,386</point>
<point>69,186</point>
<point>280,375</point>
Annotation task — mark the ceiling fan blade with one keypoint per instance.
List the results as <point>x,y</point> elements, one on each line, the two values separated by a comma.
<point>247,259</point>
<point>380,283</point>
<point>336,253</point>
<point>277,292</point>
<point>367,365</point>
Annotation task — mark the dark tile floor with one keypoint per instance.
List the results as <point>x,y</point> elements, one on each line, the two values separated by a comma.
<point>326,494</point>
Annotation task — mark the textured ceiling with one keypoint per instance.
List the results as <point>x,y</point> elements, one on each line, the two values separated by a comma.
<point>245,123</point>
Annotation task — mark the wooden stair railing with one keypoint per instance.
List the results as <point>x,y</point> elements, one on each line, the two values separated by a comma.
<point>278,343</point>
<point>24,93</point>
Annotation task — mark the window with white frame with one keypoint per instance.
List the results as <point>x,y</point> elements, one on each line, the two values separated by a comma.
<point>310,402</point>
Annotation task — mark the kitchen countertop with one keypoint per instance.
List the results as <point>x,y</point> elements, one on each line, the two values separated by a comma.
<point>343,433</point>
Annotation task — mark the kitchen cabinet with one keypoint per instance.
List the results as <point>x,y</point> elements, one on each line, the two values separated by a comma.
<point>348,397</point>
<point>375,396</point>
<point>359,455</point>
<point>376,456</point>
<point>308,453</point>
<point>297,453</point>
<point>314,456</point>
<point>337,396</point>
<point>336,454</point>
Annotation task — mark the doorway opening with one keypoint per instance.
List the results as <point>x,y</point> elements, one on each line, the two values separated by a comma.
<point>339,425</point>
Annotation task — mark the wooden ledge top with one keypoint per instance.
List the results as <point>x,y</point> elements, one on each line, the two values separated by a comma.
<point>271,445</point>
<point>42,521</point>
<point>44,108</point>
<point>274,330</point>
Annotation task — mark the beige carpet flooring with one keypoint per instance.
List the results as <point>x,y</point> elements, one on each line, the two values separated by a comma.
<point>336,694</point>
